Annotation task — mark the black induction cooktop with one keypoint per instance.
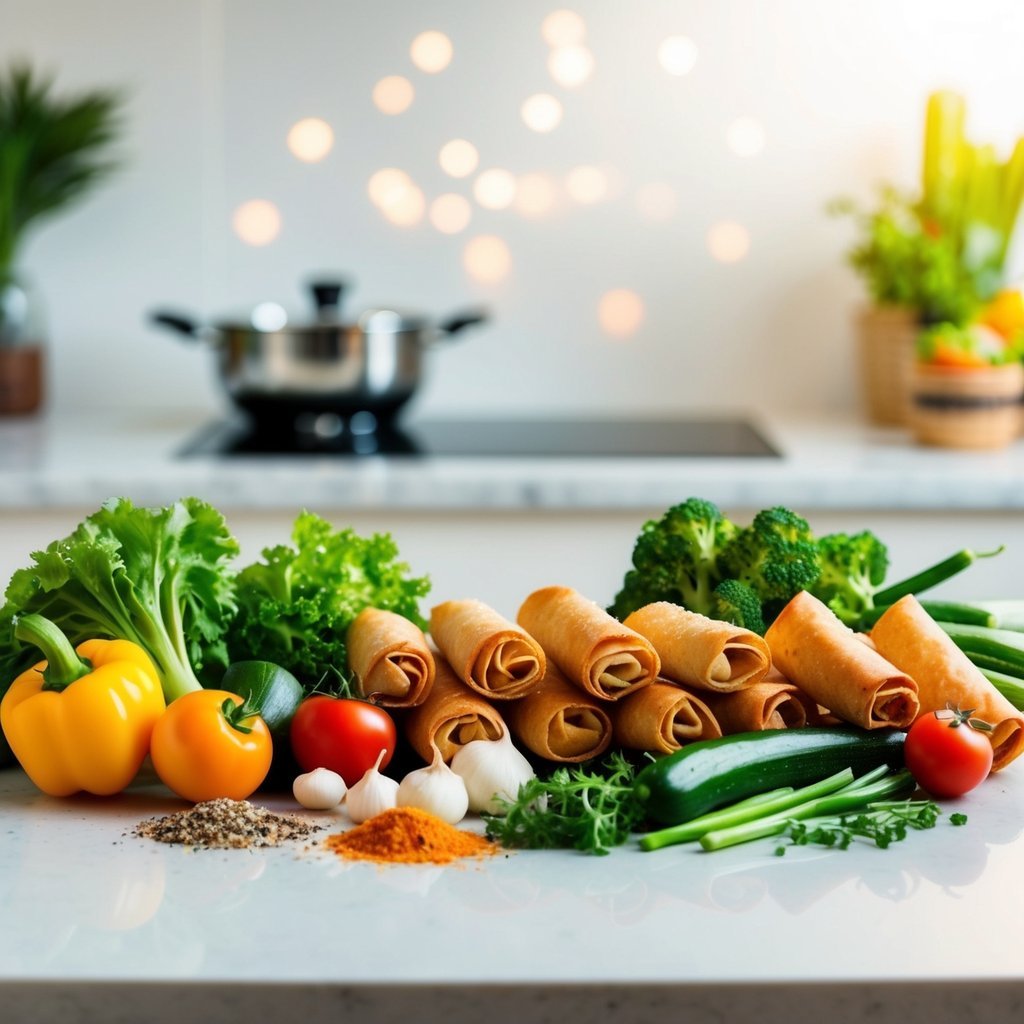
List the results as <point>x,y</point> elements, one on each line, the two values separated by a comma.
<point>483,438</point>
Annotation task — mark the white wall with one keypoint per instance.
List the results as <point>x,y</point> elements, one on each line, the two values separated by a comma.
<point>838,87</point>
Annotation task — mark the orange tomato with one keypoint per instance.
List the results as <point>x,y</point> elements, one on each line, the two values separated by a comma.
<point>208,745</point>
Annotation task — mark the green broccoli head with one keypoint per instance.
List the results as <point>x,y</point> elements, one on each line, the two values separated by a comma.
<point>675,559</point>
<point>735,602</point>
<point>776,556</point>
<point>853,568</point>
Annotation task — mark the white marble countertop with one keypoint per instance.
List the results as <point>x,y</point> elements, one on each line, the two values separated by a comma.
<point>827,462</point>
<point>96,919</point>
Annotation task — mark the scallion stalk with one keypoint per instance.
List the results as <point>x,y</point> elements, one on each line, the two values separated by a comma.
<point>843,801</point>
<point>751,809</point>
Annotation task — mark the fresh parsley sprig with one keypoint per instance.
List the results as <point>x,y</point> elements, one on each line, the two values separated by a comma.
<point>591,809</point>
<point>882,824</point>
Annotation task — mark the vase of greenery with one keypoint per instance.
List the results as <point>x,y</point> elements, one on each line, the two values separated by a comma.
<point>52,151</point>
<point>935,257</point>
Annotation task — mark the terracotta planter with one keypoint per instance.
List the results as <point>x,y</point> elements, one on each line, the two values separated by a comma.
<point>957,407</point>
<point>886,336</point>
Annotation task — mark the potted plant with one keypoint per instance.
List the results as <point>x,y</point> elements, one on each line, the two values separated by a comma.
<point>52,150</point>
<point>968,382</point>
<point>932,257</point>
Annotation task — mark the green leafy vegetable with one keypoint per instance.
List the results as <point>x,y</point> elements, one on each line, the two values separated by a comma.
<point>853,568</point>
<point>586,809</point>
<point>907,261</point>
<point>695,557</point>
<point>675,558</point>
<point>296,604</point>
<point>775,555</point>
<point>158,577</point>
<point>735,602</point>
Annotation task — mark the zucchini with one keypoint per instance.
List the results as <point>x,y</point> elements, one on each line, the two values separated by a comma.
<point>705,775</point>
<point>272,690</point>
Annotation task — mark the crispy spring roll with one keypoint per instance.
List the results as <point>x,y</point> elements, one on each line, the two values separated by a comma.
<point>826,660</point>
<point>451,716</point>
<point>559,722</point>
<point>390,659</point>
<point>592,648</point>
<point>698,651</point>
<point>661,718</point>
<point>489,654</point>
<point>773,703</point>
<point>909,637</point>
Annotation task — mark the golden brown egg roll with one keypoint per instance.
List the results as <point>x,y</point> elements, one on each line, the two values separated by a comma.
<point>769,704</point>
<point>824,657</point>
<point>559,722</point>
<point>909,637</point>
<point>489,654</point>
<point>390,659</point>
<point>451,716</point>
<point>662,717</point>
<point>592,648</point>
<point>698,651</point>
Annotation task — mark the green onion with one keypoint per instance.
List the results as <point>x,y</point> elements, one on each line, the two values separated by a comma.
<point>751,809</point>
<point>841,802</point>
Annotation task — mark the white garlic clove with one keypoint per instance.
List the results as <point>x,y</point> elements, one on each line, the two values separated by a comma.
<point>437,790</point>
<point>319,790</point>
<point>493,770</point>
<point>373,794</point>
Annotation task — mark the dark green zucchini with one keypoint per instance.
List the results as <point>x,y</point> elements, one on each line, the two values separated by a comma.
<point>705,775</point>
<point>272,690</point>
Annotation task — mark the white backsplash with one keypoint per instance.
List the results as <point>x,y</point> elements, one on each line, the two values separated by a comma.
<point>838,89</point>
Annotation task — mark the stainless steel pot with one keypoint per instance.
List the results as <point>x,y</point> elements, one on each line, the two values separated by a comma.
<point>281,374</point>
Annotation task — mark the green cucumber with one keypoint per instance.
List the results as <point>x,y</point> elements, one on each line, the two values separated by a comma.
<point>272,690</point>
<point>705,775</point>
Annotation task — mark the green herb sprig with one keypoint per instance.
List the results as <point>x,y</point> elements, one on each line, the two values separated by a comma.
<point>586,809</point>
<point>883,824</point>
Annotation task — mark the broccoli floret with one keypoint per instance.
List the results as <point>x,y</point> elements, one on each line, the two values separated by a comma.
<point>853,568</point>
<point>676,558</point>
<point>735,602</point>
<point>776,556</point>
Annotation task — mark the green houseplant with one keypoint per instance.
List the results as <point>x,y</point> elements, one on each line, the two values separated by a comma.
<point>936,256</point>
<point>52,150</point>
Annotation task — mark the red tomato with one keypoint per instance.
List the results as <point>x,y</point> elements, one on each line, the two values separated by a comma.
<point>344,735</point>
<point>946,755</point>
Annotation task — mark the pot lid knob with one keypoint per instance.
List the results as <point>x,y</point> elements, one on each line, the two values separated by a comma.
<point>327,295</point>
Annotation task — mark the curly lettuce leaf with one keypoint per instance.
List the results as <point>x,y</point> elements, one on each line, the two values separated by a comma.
<point>160,577</point>
<point>296,604</point>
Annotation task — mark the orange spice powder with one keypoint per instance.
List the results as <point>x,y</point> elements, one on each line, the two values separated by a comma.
<point>407,835</point>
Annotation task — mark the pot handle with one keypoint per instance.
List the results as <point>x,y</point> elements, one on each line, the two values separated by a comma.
<point>183,325</point>
<point>460,321</point>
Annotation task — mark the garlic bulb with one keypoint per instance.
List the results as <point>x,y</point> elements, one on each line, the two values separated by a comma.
<point>372,794</point>
<point>319,790</point>
<point>491,769</point>
<point>435,789</point>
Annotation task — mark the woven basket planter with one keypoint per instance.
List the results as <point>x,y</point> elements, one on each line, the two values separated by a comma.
<point>956,407</point>
<point>886,337</point>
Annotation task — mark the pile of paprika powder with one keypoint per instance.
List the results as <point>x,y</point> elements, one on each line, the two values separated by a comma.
<point>407,835</point>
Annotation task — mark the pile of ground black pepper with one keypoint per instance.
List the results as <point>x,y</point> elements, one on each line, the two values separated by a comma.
<point>226,824</point>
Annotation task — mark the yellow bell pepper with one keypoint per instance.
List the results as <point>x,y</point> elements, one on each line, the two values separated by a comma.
<point>81,721</point>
